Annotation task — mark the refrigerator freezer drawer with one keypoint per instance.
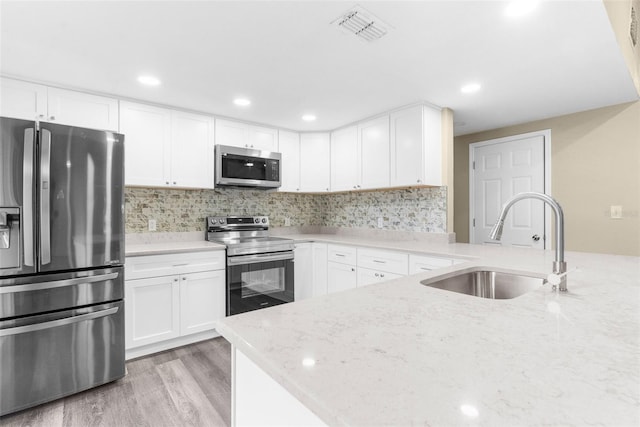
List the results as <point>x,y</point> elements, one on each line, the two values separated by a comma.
<point>46,357</point>
<point>27,295</point>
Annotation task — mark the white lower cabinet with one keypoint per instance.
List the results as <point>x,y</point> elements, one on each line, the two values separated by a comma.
<point>319,253</point>
<point>151,310</point>
<point>340,277</point>
<point>323,268</point>
<point>164,310</point>
<point>303,271</point>
<point>420,263</point>
<point>200,302</point>
<point>341,268</point>
<point>367,276</point>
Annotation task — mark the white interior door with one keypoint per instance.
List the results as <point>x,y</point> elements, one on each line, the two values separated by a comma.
<point>499,170</point>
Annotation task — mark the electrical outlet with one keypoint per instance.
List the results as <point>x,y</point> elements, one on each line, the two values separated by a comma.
<point>287,222</point>
<point>152,225</point>
<point>616,212</point>
<point>380,222</point>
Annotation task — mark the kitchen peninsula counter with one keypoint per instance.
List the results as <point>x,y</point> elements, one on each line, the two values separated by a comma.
<point>401,353</point>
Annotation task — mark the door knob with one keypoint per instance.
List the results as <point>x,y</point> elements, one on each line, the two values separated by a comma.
<point>535,237</point>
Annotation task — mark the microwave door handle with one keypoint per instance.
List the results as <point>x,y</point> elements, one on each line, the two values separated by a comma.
<point>45,209</point>
<point>27,196</point>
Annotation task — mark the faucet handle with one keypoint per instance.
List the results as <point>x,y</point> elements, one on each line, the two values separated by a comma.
<point>558,278</point>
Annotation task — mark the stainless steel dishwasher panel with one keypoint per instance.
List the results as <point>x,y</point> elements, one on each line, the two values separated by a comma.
<point>48,356</point>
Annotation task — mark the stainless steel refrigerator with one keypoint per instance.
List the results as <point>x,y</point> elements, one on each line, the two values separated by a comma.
<point>61,261</point>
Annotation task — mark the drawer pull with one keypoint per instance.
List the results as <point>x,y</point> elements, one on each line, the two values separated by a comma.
<point>180,265</point>
<point>379,261</point>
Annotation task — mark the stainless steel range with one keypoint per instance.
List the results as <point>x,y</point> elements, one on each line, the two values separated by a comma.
<point>259,267</point>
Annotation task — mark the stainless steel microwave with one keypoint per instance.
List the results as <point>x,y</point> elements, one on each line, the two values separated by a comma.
<point>243,167</point>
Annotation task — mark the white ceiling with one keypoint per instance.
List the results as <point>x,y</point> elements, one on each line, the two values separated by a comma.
<point>289,60</point>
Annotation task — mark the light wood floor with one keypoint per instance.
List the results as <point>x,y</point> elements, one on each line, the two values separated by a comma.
<point>188,386</point>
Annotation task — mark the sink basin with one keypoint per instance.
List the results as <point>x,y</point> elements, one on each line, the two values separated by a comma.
<point>487,283</point>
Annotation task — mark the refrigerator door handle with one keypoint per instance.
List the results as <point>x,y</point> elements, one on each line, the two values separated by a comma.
<point>45,209</point>
<point>57,283</point>
<point>27,196</point>
<point>55,323</point>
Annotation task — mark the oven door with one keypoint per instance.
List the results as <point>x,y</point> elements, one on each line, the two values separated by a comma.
<point>259,281</point>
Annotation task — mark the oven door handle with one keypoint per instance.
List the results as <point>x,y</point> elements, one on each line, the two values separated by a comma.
<point>254,259</point>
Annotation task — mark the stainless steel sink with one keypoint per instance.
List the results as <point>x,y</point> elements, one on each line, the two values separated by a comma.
<point>487,283</point>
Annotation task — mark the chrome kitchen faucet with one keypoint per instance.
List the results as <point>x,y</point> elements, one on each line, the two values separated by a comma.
<point>559,265</point>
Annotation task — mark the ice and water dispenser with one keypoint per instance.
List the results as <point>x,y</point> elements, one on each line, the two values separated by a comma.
<point>9,238</point>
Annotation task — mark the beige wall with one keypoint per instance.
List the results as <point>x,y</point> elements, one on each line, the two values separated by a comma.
<point>595,157</point>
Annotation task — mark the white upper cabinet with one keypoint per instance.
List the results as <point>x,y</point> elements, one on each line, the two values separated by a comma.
<point>192,149</point>
<point>232,133</point>
<point>345,159</point>
<point>314,162</point>
<point>373,138</point>
<point>166,148</point>
<point>416,147</point>
<point>238,134</point>
<point>262,138</point>
<point>30,101</point>
<point>289,146</point>
<point>81,109</point>
<point>147,135</point>
<point>22,100</point>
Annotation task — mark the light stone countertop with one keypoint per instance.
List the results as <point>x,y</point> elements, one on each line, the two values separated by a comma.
<point>167,243</point>
<point>400,353</point>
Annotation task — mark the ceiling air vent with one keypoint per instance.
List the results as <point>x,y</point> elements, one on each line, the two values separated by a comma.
<point>362,23</point>
<point>633,27</point>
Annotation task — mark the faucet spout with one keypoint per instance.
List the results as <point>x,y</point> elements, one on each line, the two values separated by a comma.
<point>559,266</point>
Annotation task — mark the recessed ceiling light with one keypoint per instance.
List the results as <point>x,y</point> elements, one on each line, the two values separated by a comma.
<point>519,8</point>
<point>243,102</point>
<point>308,117</point>
<point>470,88</point>
<point>149,80</point>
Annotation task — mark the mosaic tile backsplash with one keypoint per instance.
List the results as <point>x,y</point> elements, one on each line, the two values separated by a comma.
<point>415,209</point>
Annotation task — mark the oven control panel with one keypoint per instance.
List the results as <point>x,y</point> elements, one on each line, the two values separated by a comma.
<point>230,223</point>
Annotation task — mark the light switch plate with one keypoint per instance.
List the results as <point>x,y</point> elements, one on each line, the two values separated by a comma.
<point>152,225</point>
<point>287,222</point>
<point>380,222</point>
<point>616,212</point>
